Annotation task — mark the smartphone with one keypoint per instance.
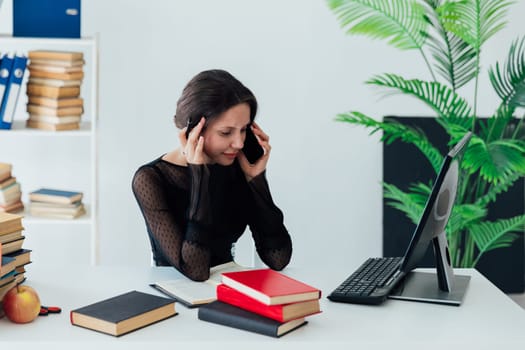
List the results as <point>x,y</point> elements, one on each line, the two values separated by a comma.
<point>190,126</point>
<point>252,149</point>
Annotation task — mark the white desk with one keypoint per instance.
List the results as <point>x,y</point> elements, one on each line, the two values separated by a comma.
<point>488,319</point>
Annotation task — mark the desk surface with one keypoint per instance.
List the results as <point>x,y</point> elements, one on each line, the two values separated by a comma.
<point>487,317</point>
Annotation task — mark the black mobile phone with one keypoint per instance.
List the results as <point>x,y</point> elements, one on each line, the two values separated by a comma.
<point>252,149</point>
<point>190,126</point>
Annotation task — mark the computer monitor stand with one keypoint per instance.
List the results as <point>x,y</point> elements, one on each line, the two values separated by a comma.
<point>442,287</point>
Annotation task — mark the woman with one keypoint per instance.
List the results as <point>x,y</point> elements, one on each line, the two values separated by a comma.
<point>198,199</point>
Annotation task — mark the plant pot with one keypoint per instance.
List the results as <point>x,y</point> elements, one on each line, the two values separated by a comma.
<point>403,165</point>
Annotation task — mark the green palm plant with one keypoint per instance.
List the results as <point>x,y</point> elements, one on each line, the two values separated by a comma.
<point>449,35</point>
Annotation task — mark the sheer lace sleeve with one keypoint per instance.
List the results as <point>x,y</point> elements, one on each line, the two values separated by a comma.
<point>178,238</point>
<point>272,241</point>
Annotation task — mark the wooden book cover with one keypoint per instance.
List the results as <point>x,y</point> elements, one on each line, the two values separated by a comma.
<point>53,91</point>
<point>55,196</point>
<point>281,313</point>
<point>231,316</point>
<point>123,313</point>
<point>55,55</point>
<point>270,287</point>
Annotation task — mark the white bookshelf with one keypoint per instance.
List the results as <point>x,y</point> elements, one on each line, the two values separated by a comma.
<point>58,159</point>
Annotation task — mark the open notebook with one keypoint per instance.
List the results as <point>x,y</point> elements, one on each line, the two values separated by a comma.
<point>193,294</point>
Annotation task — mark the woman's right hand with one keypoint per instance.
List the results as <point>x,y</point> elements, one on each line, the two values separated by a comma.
<point>193,146</point>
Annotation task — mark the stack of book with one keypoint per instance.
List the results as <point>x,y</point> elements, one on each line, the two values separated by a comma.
<point>262,301</point>
<point>56,204</point>
<point>10,190</point>
<point>53,90</point>
<point>14,257</point>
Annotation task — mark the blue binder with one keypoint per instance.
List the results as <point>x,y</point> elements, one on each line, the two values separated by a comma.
<point>12,91</point>
<point>5,72</point>
<point>49,19</point>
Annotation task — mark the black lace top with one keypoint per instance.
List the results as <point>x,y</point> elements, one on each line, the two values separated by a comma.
<point>194,214</point>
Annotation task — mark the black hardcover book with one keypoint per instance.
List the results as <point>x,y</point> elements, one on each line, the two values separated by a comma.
<point>123,313</point>
<point>232,316</point>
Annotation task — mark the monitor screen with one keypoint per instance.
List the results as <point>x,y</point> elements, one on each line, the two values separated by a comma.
<point>437,211</point>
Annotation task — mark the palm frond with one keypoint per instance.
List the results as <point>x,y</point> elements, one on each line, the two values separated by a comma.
<point>393,131</point>
<point>496,160</point>
<point>445,102</point>
<point>454,58</point>
<point>464,215</point>
<point>494,190</point>
<point>405,202</point>
<point>401,22</point>
<point>498,234</point>
<point>474,21</point>
<point>509,82</point>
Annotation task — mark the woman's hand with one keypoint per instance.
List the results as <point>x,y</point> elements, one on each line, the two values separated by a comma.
<point>193,146</point>
<point>252,170</point>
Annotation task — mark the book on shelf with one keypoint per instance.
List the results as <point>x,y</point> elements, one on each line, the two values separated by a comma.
<point>7,265</point>
<point>56,63</point>
<point>232,316</point>
<point>55,196</point>
<point>281,313</point>
<point>54,111</point>
<point>55,102</point>
<point>22,256</point>
<point>270,287</point>
<point>5,171</point>
<point>12,92</point>
<point>15,207</point>
<point>6,287</point>
<point>193,294</point>
<point>32,124</point>
<point>10,194</point>
<point>56,76</point>
<point>53,91</point>
<point>8,237</point>
<point>123,313</point>
<point>12,246</point>
<point>6,65</point>
<point>54,82</point>
<point>57,212</point>
<point>55,55</point>
<point>53,68</point>
<point>9,181</point>
<point>52,119</point>
<point>10,223</point>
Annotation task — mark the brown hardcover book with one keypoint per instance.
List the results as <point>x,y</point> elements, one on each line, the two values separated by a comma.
<point>55,55</point>
<point>123,313</point>
<point>56,63</point>
<point>61,76</point>
<point>13,207</point>
<point>53,69</point>
<point>8,237</point>
<point>62,111</point>
<point>5,171</point>
<point>10,223</point>
<point>13,246</point>
<point>52,127</point>
<point>8,182</point>
<point>55,102</point>
<point>52,119</point>
<point>54,82</point>
<point>22,256</point>
<point>53,91</point>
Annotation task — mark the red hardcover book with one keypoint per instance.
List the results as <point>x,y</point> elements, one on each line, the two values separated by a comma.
<point>270,287</point>
<point>281,313</point>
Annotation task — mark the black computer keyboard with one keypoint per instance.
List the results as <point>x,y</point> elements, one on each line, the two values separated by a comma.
<point>370,283</point>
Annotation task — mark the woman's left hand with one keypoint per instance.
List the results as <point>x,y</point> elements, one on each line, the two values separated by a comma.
<point>252,170</point>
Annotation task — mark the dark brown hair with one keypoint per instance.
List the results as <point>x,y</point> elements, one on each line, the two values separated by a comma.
<point>210,93</point>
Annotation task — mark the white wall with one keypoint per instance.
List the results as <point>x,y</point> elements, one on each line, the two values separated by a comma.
<point>304,70</point>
